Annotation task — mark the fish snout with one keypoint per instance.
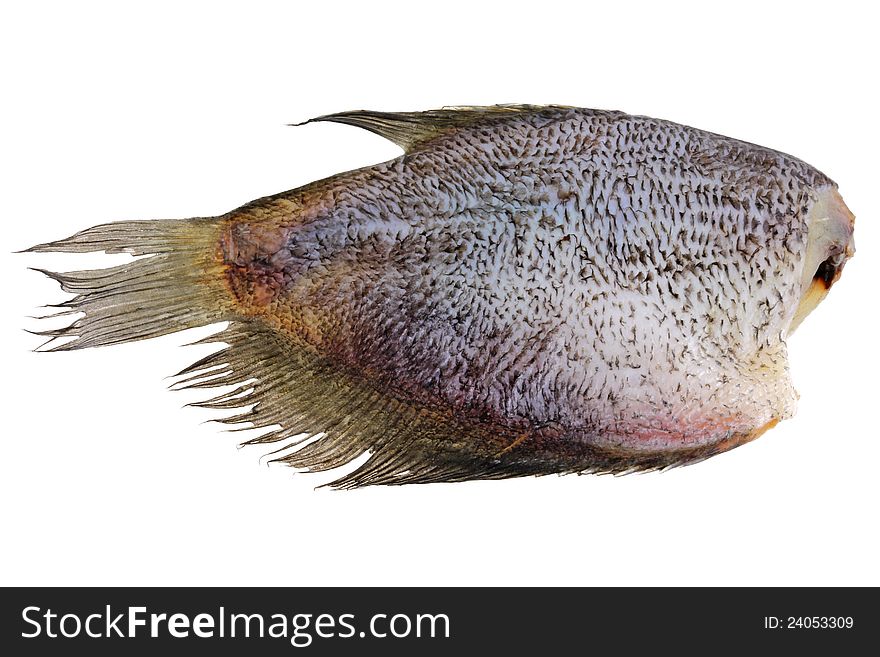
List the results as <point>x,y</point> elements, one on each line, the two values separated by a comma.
<point>830,244</point>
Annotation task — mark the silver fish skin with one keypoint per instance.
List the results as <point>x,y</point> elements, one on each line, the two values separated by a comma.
<point>526,290</point>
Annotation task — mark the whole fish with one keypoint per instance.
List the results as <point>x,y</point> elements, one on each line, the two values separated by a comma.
<point>526,290</point>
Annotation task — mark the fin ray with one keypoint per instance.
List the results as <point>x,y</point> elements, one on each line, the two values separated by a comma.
<point>173,286</point>
<point>411,129</point>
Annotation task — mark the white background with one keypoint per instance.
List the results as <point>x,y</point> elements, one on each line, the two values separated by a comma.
<point>178,109</point>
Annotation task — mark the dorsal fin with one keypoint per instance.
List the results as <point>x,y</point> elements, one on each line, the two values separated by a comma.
<point>409,129</point>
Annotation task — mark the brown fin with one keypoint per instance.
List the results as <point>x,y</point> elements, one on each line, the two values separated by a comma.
<point>175,287</point>
<point>410,129</point>
<point>298,396</point>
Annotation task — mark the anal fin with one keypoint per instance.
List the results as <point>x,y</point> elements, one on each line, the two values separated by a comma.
<point>300,397</point>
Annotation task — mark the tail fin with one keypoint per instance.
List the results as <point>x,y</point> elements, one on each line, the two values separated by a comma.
<point>175,286</point>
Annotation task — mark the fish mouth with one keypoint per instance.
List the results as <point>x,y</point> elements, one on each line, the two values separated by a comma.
<point>828,271</point>
<point>829,246</point>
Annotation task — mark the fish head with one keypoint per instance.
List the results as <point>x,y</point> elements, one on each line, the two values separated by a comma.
<point>830,245</point>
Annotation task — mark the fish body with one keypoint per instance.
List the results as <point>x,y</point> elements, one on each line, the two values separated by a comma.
<point>526,290</point>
